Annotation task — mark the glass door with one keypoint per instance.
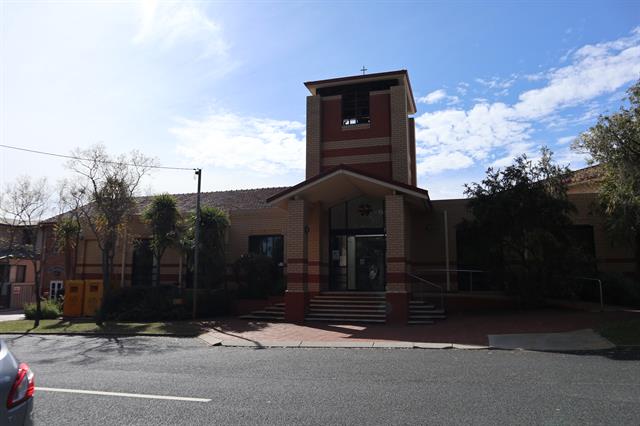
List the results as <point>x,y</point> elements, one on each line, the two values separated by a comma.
<point>370,263</point>
<point>357,263</point>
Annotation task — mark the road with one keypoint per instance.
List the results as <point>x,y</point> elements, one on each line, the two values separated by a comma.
<point>322,386</point>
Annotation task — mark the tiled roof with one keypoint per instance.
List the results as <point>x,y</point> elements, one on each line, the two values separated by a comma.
<point>585,174</point>
<point>241,199</point>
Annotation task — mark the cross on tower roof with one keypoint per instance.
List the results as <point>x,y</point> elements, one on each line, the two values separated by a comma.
<point>363,70</point>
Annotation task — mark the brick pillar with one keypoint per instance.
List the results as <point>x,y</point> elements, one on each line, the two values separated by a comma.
<point>314,111</point>
<point>296,241</point>
<point>400,153</point>
<point>397,284</point>
<point>314,245</point>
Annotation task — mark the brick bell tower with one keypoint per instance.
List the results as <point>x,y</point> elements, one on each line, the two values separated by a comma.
<point>360,149</point>
<point>362,122</point>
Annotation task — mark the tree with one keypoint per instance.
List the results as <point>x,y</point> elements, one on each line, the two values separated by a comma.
<point>68,228</point>
<point>105,192</point>
<point>25,202</point>
<point>521,214</point>
<point>213,225</point>
<point>614,143</point>
<point>163,216</point>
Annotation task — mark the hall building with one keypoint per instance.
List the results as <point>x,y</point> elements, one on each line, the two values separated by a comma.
<point>358,239</point>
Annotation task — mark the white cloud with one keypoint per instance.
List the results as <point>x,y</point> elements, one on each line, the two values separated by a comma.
<point>444,161</point>
<point>504,130</point>
<point>171,23</point>
<point>227,140</point>
<point>565,140</point>
<point>498,83</point>
<point>433,97</point>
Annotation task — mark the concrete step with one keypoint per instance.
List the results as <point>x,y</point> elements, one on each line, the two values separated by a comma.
<point>420,322</point>
<point>349,320</point>
<point>346,315</point>
<point>354,299</point>
<point>426,311</point>
<point>417,317</point>
<point>350,305</point>
<point>353,293</point>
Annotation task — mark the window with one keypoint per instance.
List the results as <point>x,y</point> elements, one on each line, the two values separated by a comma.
<point>142,264</point>
<point>362,215</point>
<point>268,245</point>
<point>21,273</point>
<point>355,106</point>
<point>355,99</point>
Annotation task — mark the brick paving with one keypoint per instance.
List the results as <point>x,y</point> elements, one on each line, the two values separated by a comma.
<point>471,329</point>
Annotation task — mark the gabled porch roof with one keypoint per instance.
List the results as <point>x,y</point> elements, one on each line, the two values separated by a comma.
<point>343,183</point>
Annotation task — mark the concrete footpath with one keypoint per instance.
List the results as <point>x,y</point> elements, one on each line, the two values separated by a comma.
<point>212,338</point>
<point>538,330</point>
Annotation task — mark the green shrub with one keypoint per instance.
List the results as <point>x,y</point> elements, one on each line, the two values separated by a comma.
<point>257,276</point>
<point>157,304</point>
<point>619,289</point>
<point>144,304</point>
<point>211,303</point>
<point>50,309</point>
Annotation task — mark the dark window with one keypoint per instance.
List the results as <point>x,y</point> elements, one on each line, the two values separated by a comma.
<point>359,215</point>
<point>581,238</point>
<point>21,273</point>
<point>142,264</point>
<point>355,99</point>
<point>355,106</point>
<point>268,245</point>
<point>4,273</point>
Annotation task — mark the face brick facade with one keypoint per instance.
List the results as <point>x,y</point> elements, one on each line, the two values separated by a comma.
<point>358,223</point>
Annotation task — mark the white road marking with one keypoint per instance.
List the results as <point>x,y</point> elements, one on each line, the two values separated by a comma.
<point>127,395</point>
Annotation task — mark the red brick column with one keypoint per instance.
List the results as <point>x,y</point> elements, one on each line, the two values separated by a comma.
<point>397,284</point>
<point>314,243</point>
<point>314,156</point>
<point>296,241</point>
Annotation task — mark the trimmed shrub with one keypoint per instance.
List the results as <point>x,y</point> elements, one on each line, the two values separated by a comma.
<point>619,289</point>
<point>144,304</point>
<point>257,276</point>
<point>50,309</point>
<point>158,304</point>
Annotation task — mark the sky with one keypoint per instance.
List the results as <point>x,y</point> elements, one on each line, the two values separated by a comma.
<point>219,85</point>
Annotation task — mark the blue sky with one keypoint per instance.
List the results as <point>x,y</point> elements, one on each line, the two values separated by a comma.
<point>219,85</point>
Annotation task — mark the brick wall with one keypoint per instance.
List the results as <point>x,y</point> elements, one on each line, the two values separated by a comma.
<point>314,117</point>
<point>399,135</point>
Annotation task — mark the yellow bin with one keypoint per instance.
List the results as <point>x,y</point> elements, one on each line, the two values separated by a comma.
<point>92,297</point>
<point>73,298</point>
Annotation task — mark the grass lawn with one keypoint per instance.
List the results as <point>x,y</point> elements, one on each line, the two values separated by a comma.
<point>626,333</point>
<point>179,328</point>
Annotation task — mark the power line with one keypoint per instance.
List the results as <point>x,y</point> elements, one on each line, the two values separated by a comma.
<point>71,157</point>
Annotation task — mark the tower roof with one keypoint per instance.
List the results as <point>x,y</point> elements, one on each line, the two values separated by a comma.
<point>401,75</point>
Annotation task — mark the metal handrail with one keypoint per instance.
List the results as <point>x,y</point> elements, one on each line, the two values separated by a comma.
<point>440,288</point>
<point>599,281</point>
<point>471,272</point>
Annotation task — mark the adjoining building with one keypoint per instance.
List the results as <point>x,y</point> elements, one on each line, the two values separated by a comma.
<point>357,225</point>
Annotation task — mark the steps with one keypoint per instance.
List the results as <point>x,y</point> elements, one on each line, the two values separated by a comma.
<point>270,313</point>
<point>421,312</point>
<point>363,307</point>
<point>367,307</point>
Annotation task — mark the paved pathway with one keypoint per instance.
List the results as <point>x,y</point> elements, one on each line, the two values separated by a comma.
<point>459,329</point>
<point>11,314</point>
<point>580,340</point>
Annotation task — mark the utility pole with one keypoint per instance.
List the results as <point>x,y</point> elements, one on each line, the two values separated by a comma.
<point>197,245</point>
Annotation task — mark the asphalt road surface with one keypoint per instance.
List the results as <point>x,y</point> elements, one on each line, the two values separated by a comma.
<point>320,386</point>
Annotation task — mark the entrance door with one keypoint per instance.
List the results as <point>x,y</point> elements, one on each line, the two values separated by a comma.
<point>55,289</point>
<point>370,259</point>
<point>357,263</point>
